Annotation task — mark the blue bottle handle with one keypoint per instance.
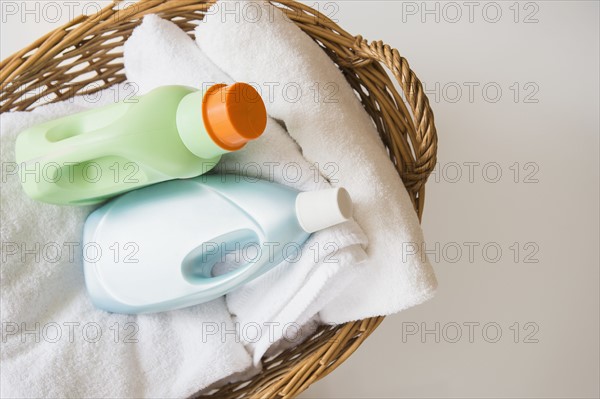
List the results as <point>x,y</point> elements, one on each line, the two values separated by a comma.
<point>198,265</point>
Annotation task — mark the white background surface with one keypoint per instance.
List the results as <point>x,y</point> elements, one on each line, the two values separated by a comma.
<point>550,207</point>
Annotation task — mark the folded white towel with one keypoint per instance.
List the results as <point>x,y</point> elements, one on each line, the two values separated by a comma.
<point>290,295</point>
<point>158,53</point>
<point>321,112</point>
<point>49,325</point>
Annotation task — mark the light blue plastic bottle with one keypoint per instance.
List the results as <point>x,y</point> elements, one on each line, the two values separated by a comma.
<point>185,242</point>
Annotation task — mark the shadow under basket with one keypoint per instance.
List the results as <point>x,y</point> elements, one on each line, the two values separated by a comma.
<point>85,56</point>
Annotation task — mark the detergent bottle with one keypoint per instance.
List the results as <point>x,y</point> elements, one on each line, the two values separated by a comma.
<point>171,132</point>
<point>185,242</point>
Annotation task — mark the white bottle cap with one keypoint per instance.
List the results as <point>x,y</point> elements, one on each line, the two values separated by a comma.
<point>317,210</point>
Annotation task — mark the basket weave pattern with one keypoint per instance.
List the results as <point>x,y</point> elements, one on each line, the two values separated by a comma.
<point>85,56</point>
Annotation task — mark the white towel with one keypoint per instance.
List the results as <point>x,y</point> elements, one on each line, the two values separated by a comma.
<point>49,325</point>
<point>158,53</point>
<point>257,43</point>
<point>289,296</point>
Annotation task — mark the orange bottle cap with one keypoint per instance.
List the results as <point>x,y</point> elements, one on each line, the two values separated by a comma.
<point>233,115</point>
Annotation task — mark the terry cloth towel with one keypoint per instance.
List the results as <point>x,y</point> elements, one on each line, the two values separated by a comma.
<point>54,342</point>
<point>257,43</point>
<point>281,303</point>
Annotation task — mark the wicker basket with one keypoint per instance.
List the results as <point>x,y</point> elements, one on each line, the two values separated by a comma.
<point>85,56</point>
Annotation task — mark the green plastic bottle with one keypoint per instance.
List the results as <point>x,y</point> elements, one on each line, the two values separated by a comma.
<point>172,132</point>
